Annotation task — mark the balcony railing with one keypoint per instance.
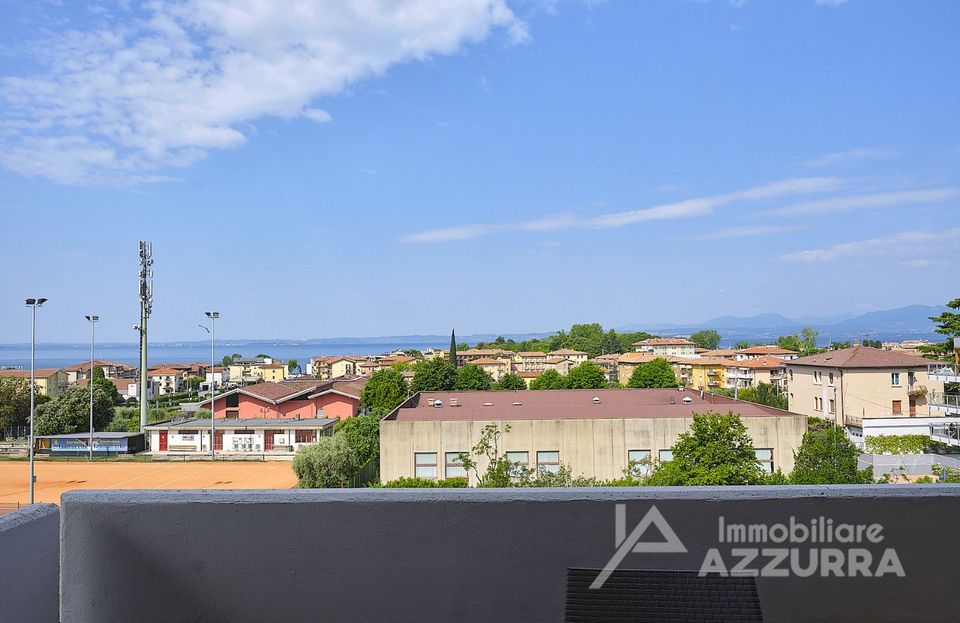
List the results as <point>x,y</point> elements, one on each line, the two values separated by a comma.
<point>943,371</point>
<point>946,433</point>
<point>946,402</point>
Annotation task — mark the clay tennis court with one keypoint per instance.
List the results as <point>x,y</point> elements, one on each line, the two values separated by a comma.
<point>54,478</point>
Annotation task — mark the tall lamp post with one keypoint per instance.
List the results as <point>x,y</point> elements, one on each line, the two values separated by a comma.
<point>212,315</point>
<point>33,304</point>
<point>93,320</point>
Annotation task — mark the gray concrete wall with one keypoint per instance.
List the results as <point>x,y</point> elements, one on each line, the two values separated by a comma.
<point>471,555</point>
<point>29,563</point>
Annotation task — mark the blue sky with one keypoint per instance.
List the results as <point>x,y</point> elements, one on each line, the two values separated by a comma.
<point>327,170</point>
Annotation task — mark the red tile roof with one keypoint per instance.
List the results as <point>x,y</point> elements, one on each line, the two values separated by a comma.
<point>40,373</point>
<point>283,390</point>
<point>766,350</point>
<point>486,361</point>
<point>567,351</point>
<point>759,362</point>
<point>573,404</point>
<point>861,357</point>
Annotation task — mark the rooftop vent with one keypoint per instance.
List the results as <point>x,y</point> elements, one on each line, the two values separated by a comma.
<point>596,400</point>
<point>673,400</point>
<point>488,404</point>
<point>454,402</point>
<point>517,403</point>
<point>437,403</point>
<point>687,400</point>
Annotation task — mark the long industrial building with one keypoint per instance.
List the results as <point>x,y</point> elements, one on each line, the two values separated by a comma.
<point>595,433</point>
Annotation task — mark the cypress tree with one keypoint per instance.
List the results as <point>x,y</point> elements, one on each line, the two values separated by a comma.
<point>453,348</point>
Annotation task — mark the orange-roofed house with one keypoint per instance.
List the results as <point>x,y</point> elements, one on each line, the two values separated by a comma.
<point>166,380</point>
<point>666,347</point>
<point>751,372</point>
<point>576,356</point>
<point>48,381</point>
<point>496,368</point>
<point>755,352</point>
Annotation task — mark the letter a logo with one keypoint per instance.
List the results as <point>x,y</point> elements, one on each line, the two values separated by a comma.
<point>626,544</point>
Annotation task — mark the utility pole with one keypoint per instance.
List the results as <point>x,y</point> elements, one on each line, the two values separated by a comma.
<point>146,306</point>
<point>93,320</point>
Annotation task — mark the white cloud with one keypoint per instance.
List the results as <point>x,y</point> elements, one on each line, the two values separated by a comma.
<point>851,155</point>
<point>124,102</point>
<point>749,230</point>
<point>859,202</point>
<point>912,248</point>
<point>676,210</point>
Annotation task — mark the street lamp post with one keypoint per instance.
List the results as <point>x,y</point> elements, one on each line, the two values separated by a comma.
<point>33,304</point>
<point>93,320</point>
<point>212,315</point>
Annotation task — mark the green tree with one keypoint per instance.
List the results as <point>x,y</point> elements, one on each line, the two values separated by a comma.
<point>292,365</point>
<point>550,379</point>
<point>585,337</point>
<point>809,340</point>
<point>827,457</point>
<point>229,360</point>
<point>453,348</point>
<point>840,345</point>
<point>69,412</point>
<point>384,391</point>
<point>715,451</point>
<point>791,342</point>
<point>14,403</point>
<point>706,338</point>
<point>764,394</point>
<point>500,470</point>
<point>510,381</point>
<point>362,434</point>
<point>948,323</point>
<point>435,375</point>
<point>193,383</point>
<point>109,388</point>
<point>330,462</point>
<point>472,378</point>
<point>742,344</point>
<point>656,373</point>
<point>587,375</point>
<point>98,373</point>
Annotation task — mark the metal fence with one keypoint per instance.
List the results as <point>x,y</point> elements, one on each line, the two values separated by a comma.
<point>9,507</point>
<point>14,432</point>
<point>939,399</point>
<point>368,473</point>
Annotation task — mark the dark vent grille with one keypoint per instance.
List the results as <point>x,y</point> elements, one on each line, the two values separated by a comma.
<point>631,595</point>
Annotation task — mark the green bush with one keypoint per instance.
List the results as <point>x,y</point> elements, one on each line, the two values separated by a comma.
<point>362,434</point>
<point>423,483</point>
<point>330,462</point>
<point>898,444</point>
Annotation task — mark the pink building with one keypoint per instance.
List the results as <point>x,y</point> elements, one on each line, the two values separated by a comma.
<point>291,400</point>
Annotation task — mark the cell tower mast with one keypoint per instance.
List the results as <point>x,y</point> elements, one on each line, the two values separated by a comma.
<point>146,306</point>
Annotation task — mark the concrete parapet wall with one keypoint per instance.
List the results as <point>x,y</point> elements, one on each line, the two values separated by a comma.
<point>29,563</point>
<point>486,555</point>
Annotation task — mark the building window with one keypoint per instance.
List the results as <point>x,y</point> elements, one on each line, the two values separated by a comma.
<point>830,379</point>
<point>548,461</point>
<point>833,406</point>
<point>425,464</point>
<point>233,400</point>
<point>304,436</point>
<point>233,414</point>
<point>895,379</point>
<point>453,467</point>
<point>897,407</point>
<point>911,378</point>
<point>791,375</point>
<point>666,455</point>
<point>519,462</point>
<point>638,462</point>
<point>765,458</point>
<point>817,377</point>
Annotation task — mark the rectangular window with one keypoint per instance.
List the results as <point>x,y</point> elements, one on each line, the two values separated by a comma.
<point>830,379</point>
<point>520,462</point>
<point>304,436</point>
<point>233,400</point>
<point>638,461</point>
<point>765,458</point>
<point>425,464</point>
<point>895,379</point>
<point>833,406</point>
<point>548,461</point>
<point>453,467</point>
<point>666,455</point>
<point>233,414</point>
<point>897,407</point>
<point>816,377</point>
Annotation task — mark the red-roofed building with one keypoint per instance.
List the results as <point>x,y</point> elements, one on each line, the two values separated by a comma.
<point>766,351</point>
<point>292,398</point>
<point>666,347</point>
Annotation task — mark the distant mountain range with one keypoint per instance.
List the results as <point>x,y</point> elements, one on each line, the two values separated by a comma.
<point>912,321</point>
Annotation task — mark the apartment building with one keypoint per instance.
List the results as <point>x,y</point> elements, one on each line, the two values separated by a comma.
<point>532,361</point>
<point>255,369</point>
<point>561,365</point>
<point>48,381</point>
<point>576,356</point>
<point>110,370</point>
<point>166,380</point>
<point>751,372</point>
<point>667,347</point>
<point>755,352</point>
<point>595,433</point>
<point>469,355</point>
<point>852,384</point>
<point>628,362</point>
<point>706,373</point>
<point>332,367</point>
<point>496,368</point>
